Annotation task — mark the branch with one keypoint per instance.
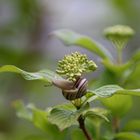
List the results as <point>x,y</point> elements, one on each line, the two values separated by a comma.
<point>82,127</point>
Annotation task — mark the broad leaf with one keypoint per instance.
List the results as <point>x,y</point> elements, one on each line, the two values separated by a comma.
<point>132,125</point>
<point>109,90</point>
<point>118,104</point>
<point>65,116</point>
<point>105,91</point>
<point>127,136</point>
<point>73,38</point>
<point>96,113</point>
<point>44,75</point>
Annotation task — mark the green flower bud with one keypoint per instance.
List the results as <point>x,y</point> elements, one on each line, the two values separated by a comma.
<point>119,35</point>
<point>74,65</point>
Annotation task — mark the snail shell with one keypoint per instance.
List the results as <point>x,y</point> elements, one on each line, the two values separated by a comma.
<point>78,90</point>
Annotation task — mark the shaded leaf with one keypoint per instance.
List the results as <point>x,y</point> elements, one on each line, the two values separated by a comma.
<point>73,38</point>
<point>65,116</point>
<point>127,136</point>
<point>44,75</point>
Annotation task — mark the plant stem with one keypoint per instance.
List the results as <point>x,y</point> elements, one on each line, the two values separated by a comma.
<point>81,121</point>
<point>119,50</point>
<point>98,131</point>
<point>116,124</point>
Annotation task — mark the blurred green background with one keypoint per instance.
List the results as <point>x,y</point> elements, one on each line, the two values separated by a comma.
<point>24,42</point>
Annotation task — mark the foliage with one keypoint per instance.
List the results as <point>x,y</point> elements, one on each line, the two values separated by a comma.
<point>111,89</point>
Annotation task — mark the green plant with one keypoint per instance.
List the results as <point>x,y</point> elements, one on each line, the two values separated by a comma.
<point>111,89</point>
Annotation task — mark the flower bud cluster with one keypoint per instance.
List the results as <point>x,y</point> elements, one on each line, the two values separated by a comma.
<point>119,34</point>
<point>74,65</point>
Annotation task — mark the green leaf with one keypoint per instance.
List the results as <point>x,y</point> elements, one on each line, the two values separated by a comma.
<point>118,104</point>
<point>72,38</point>
<point>127,136</point>
<point>105,91</point>
<point>136,56</point>
<point>65,115</point>
<point>132,125</point>
<point>39,117</point>
<point>109,90</point>
<point>35,137</point>
<point>77,134</point>
<point>22,111</point>
<point>96,113</point>
<point>44,75</point>
<point>117,69</point>
<point>89,98</point>
<point>106,78</point>
<point>134,92</point>
<point>132,80</point>
<point>31,113</point>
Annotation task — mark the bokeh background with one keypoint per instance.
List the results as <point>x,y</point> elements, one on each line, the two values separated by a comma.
<point>24,42</point>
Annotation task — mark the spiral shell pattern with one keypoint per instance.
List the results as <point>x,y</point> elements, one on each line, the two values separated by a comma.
<point>78,90</point>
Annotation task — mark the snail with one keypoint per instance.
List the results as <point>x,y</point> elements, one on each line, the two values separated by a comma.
<point>72,91</point>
